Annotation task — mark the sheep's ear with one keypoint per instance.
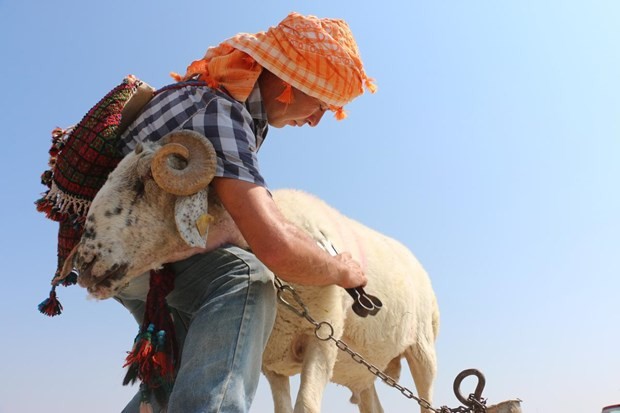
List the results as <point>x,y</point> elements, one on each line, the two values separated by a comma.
<point>192,219</point>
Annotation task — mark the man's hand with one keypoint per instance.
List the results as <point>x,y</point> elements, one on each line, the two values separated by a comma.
<point>353,275</point>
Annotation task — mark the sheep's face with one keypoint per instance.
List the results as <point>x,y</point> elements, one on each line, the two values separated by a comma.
<point>131,227</point>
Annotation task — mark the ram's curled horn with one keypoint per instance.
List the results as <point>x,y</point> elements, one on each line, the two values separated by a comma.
<point>197,158</point>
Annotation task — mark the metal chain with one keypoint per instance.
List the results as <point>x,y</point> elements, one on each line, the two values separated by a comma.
<point>302,311</point>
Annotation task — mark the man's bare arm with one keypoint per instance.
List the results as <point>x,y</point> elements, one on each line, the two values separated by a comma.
<point>282,247</point>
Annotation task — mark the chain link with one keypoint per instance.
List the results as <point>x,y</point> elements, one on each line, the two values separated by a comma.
<point>341,345</point>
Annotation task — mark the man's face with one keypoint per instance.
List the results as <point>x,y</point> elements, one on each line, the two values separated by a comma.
<point>304,109</point>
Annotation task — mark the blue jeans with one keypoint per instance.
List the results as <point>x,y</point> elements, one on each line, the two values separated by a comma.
<point>223,306</point>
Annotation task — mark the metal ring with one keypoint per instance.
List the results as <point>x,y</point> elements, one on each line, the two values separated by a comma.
<point>318,327</point>
<point>479,387</point>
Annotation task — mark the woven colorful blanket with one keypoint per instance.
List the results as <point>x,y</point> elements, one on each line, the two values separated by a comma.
<point>81,158</point>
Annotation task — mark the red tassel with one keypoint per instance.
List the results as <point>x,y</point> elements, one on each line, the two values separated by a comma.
<point>155,349</point>
<point>164,364</point>
<point>147,365</point>
<point>48,207</point>
<point>51,306</point>
<point>44,205</point>
<point>141,353</point>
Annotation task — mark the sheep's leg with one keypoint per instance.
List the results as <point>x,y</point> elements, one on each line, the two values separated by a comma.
<point>422,362</point>
<point>393,368</point>
<point>369,401</point>
<point>316,371</point>
<point>280,391</point>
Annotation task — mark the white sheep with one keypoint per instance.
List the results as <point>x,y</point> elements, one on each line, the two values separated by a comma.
<point>406,325</point>
<point>121,242</point>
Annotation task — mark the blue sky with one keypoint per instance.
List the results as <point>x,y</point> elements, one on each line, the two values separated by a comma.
<point>491,150</point>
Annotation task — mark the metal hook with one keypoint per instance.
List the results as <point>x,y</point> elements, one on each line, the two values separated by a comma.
<point>284,288</point>
<point>363,304</point>
<point>474,400</point>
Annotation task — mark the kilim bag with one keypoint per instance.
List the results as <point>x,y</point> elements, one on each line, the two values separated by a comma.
<point>81,158</point>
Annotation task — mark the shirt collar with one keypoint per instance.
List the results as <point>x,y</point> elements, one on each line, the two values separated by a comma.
<point>256,108</point>
<point>254,104</point>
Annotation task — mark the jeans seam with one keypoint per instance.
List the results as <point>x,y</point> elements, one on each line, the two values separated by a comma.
<point>241,334</point>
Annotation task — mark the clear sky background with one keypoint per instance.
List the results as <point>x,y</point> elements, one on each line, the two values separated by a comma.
<point>491,150</point>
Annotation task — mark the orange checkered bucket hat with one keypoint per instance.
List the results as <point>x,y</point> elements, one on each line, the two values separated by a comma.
<point>317,56</point>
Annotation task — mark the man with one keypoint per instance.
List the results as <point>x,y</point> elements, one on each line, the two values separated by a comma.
<point>223,302</point>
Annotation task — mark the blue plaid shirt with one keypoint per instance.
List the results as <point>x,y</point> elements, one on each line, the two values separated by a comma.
<point>235,129</point>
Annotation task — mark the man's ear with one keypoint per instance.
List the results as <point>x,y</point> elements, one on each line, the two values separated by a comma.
<point>192,219</point>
